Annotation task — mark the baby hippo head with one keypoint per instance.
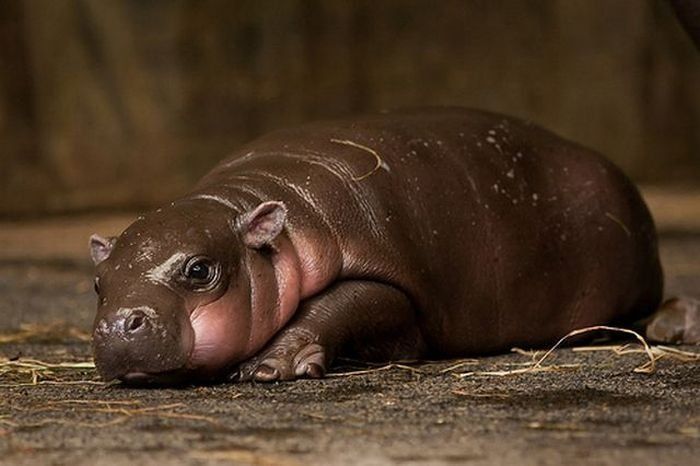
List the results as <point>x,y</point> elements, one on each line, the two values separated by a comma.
<point>187,292</point>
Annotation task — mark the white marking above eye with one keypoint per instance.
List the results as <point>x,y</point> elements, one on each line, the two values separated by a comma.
<point>161,273</point>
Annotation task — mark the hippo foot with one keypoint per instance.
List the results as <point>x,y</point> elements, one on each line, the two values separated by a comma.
<point>363,317</point>
<point>676,321</point>
<point>285,361</point>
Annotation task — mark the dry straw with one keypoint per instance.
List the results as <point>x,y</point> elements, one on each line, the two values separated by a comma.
<point>647,368</point>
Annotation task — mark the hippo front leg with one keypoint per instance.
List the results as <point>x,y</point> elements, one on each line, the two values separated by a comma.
<point>369,320</point>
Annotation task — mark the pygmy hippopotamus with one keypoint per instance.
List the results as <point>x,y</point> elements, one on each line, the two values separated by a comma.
<point>416,234</point>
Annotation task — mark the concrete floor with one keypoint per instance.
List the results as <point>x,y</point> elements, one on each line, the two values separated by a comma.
<point>590,409</point>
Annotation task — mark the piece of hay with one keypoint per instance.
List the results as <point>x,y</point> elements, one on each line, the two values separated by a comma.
<point>460,364</point>
<point>375,369</point>
<point>480,394</point>
<point>24,372</point>
<point>659,352</point>
<point>647,368</point>
<point>120,410</point>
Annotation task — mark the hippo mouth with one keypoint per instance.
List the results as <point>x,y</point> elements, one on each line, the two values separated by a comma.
<point>176,377</point>
<point>145,379</point>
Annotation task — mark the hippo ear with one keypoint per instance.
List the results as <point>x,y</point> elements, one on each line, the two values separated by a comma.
<point>262,224</point>
<point>101,248</point>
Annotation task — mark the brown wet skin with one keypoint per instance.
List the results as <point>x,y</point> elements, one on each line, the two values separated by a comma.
<point>417,234</point>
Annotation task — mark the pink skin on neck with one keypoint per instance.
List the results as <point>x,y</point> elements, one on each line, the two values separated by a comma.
<point>239,324</point>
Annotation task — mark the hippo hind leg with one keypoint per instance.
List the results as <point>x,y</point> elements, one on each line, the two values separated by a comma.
<point>676,321</point>
<point>364,319</point>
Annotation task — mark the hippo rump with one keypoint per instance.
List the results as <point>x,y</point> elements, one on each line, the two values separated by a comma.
<point>417,234</point>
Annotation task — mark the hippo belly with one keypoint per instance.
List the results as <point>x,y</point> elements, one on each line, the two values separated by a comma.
<point>437,233</point>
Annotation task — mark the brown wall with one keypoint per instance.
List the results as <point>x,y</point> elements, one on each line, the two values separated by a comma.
<point>122,104</point>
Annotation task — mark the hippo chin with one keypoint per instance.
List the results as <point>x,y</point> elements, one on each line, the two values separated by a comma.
<point>436,233</point>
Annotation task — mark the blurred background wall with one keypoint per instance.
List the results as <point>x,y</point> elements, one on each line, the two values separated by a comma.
<point>109,104</point>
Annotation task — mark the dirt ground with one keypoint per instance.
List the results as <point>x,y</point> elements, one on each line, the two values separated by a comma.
<point>590,407</point>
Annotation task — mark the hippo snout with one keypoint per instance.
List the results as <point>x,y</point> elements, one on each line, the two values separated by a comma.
<point>128,323</point>
<point>139,343</point>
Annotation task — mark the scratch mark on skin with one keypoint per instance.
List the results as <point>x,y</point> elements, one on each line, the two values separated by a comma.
<point>242,159</point>
<point>379,164</point>
<point>337,168</point>
<point>472,183</point>
<point>210,197</point>
<point>363,198</point>
<point>257,194</point>
<point>303,194</point>
<point>161,273</point>
<point>619,222</point>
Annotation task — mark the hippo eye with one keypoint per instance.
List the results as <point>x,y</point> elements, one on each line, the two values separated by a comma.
<point>200,271</point>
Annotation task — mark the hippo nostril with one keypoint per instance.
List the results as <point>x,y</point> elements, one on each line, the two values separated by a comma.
<point>134,321</point>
